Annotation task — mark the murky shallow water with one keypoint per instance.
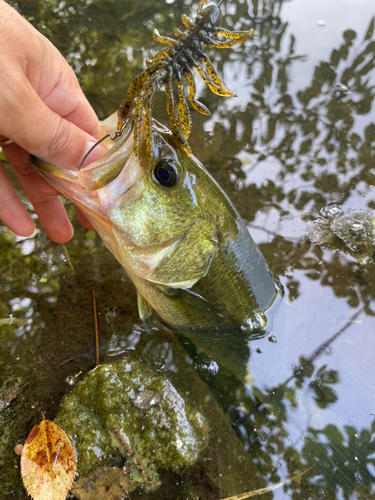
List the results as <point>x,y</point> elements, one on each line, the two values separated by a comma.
<point>299,140</point>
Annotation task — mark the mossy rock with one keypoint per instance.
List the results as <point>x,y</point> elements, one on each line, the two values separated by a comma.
<point>112,419</point>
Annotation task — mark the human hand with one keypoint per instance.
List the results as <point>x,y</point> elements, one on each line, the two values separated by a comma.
<point>44,112</point>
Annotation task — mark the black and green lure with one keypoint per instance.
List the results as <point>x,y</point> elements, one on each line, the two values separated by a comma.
<point>174,64</point>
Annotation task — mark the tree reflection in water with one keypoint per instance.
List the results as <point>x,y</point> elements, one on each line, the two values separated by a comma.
<point>283,155</point>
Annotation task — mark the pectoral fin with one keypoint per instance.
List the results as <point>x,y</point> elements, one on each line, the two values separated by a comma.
<point>146,312</point>
<point>177,263</point>
<point>189,259</point>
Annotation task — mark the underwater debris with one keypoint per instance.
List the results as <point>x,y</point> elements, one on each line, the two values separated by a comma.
<point>175,64</point>
<point>352,231</point>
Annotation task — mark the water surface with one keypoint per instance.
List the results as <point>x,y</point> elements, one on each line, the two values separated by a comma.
<point>298,144</point>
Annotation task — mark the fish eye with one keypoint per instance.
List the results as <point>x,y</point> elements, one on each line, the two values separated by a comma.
<point>166,173</point>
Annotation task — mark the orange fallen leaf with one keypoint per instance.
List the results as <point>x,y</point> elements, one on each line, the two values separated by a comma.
<point>48,462</point>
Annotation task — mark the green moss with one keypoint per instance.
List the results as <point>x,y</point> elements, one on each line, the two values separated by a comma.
<point>4,309</point>
<point>107,428</point>
<point>5,425</point>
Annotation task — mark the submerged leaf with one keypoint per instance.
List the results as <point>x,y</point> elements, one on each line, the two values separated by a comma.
<point>48,462</point>
<point>108,483</point>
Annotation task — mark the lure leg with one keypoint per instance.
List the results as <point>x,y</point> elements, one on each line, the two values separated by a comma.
<point>180,35</point>
<point>198,106</point>
<point>149,101</point>
<point>210,42</point>
<point>218,87</point>
<point>165,39</point>
<point>234,35</point>
<point>188,22</point>
<point>183,112</point>
<point>144,101</point>
<point>127,104</point>
<point>200,6</point>
<point>179,138</point>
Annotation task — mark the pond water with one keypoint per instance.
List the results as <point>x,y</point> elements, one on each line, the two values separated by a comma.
<point>296,146</point>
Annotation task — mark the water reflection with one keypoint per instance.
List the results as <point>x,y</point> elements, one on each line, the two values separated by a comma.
<point>284,154</point>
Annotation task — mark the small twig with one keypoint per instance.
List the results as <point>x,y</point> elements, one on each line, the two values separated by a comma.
<point>96,330</point>
<point>328,342</point>
<point>68,258</point>
<point>254,493</point>
<point>321,349</point>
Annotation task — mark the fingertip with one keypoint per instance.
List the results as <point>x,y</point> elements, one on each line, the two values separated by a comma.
<point>55,221</point>
<point>21,226</point>
<point>62,236</point>
<point>84,220</point>
<point>12,211</point>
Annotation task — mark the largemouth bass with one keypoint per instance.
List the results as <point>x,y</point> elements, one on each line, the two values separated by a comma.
<point>179,238</point>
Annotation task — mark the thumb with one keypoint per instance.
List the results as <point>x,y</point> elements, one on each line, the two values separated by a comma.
<point>39,130</point>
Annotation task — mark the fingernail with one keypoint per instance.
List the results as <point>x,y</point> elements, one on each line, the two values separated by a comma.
<point>33,234</point>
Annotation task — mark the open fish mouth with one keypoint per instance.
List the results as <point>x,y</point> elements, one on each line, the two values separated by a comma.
<point>84,186</point>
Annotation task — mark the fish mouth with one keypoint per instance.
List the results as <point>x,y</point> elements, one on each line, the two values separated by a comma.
<point>68,183</point>
<point>96,187</point>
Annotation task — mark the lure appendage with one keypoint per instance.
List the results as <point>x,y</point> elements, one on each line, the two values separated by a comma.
<point>172,67</point>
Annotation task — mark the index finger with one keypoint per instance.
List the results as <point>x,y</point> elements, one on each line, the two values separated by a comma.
<point>12,211</point>
<point>47,205</point>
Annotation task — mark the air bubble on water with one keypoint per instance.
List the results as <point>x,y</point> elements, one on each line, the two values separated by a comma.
<point>357,226</point>
<point>207,367</point>
<point>71,380</point>
<point>330,210</point>
<point>259,321</point>
<point>159,363</point>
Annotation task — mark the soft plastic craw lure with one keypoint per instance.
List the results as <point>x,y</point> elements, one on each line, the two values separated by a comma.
<point>174,64</point>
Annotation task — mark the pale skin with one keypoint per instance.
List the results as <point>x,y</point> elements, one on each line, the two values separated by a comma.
<point>43,112</point>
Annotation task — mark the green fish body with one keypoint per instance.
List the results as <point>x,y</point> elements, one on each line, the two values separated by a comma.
<point>178,236</point>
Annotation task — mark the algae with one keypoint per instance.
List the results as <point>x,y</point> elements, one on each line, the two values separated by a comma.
<point>108,482</point>
<point>352,231</point>
<point>108,428</point>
